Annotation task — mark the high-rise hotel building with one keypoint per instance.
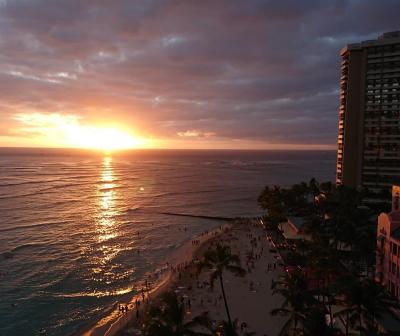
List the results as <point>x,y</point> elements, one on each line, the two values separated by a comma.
<point>369,115</point>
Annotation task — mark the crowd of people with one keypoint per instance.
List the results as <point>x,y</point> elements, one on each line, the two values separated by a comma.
<point>196,293</point>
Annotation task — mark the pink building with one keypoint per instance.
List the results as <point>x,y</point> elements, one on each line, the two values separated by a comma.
<point>388,246</point>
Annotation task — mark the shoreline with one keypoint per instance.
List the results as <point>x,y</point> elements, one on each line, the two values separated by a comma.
<point>250,297</point>
<point>114,322</point>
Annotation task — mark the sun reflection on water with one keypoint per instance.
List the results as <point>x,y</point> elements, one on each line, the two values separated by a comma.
<point>106,227</point>
<point>106,271</point>
<point>105,224</point>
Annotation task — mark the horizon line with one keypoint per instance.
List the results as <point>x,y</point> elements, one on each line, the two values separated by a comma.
<point>174,149</point>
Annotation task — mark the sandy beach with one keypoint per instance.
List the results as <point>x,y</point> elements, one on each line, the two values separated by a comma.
<point>164,278</point>
<point>250,298</point>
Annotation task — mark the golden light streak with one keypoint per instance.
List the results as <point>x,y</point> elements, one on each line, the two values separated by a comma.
<point>67,131</point>
<point>106,227</point>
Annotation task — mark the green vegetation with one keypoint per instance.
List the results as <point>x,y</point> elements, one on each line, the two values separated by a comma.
<point>169,319</point>
<point>336,265</point>
<point>331,275</point>
<point>297,300</point>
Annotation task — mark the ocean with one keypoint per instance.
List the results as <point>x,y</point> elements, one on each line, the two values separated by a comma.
<point>79,229</point>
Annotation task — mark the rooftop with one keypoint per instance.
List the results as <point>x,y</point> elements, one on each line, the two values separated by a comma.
<point>296,221</point>
<point>386,38</point>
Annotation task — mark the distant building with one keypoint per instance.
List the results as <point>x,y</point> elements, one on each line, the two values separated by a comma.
<point>369,115</point>
<point>388,246</point>
<point>293,229</point>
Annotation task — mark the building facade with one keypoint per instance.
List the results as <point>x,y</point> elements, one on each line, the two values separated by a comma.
<point>369,114</point>
<point>388,246</point>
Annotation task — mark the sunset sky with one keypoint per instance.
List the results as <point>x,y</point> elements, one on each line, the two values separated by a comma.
<point>178,74</point>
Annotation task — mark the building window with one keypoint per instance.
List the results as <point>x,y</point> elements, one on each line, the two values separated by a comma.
<point>394,249</point>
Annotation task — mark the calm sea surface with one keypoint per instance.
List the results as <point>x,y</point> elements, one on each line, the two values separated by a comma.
<point>69,221</point>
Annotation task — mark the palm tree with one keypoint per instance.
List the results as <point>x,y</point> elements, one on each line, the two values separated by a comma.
<point>350,290</point>
<point>313,187</point>
<point>326,187</point>
<point>169,319</point>
<point>271,199</point>
<point>218,260</point>
<point>372,330</point>
<point>376,301</point>
<point>315,323</point>
<point>364,302</point>
<point>324,262</point>
<point>315,227</point>
<point>297,300</point>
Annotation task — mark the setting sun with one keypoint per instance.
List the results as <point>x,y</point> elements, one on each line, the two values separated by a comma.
<point>101,138</point>
<point>70,131</point>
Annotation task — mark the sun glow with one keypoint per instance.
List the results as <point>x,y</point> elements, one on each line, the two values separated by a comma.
<point>101,138</point>
<point>68,131</point>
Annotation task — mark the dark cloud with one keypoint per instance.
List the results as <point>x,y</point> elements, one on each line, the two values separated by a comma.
<point>252,70</point>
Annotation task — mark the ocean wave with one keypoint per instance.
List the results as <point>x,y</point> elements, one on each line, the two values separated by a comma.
<point>177,193</point>
<point>7,255</point>
<point>11,253</point>
<point>97,294</point>
<point>26,246</point>
<point>240,163</point>
<point>79,177</point>
<point>27,182</point>
<point>121,178</point>
<point>66,186</point>
<point>112,188</point>
<point>12,168</point>
<point>34,193</point>
<point>42,191</point>
<point>133,209</point>
<point>31,226</point>
<point>40,205</point>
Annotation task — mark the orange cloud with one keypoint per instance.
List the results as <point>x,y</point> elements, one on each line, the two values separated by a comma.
<point>196,134</point>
